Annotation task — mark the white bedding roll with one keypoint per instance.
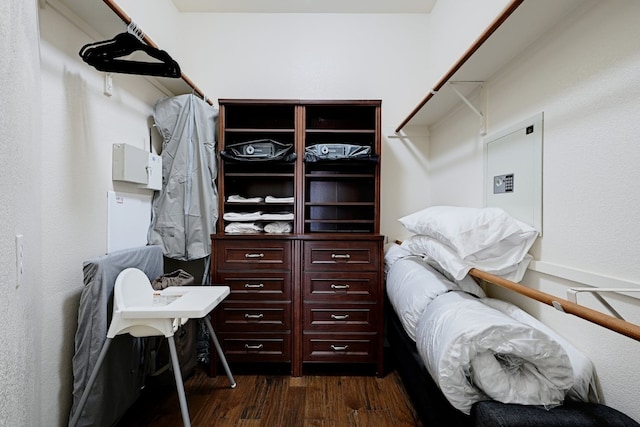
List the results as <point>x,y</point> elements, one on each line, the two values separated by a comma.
<point>411,286</point>
<point>475,352</point>
<point>584,372</point>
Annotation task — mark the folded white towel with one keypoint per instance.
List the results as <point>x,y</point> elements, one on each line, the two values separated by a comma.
<point>272,199</point>
<point>277,216</point>
<point>242,216</point>
<point>236,198</point>
<point>243,227</point>
<point>278,227</point>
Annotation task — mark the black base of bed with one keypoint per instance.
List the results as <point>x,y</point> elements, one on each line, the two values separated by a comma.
<point>434,410</point>
<point>429,402</point>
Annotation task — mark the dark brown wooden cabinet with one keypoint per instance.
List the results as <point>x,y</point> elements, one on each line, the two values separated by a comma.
<point>298,236</point>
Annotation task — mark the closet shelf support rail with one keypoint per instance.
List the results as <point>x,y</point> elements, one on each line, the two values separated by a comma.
<point>128,20</point>
<point>612,323</point>
<point>508,10</point>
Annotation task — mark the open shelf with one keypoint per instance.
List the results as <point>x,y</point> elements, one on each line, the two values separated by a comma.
<point>519,24</point>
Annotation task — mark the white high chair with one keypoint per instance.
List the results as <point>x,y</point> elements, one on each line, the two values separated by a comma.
<point>142,312</point>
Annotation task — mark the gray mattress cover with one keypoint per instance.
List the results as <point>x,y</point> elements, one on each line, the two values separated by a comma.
<point>122,374</point>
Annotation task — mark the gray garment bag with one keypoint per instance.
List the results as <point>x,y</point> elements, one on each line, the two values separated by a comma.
<point>185,211</point>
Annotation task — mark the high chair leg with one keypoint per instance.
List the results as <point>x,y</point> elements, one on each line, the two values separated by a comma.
<point>179,385</point>
<point>220,353</point>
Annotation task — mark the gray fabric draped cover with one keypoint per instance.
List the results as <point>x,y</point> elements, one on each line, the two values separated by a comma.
<point>122,374</point>
<point>185,211</point>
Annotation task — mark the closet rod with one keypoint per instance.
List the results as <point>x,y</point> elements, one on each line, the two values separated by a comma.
<point>127,20</point>
<point>617,325</point>
<point>506,12</point>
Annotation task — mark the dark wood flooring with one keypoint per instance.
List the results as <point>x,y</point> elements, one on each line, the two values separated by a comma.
<point>276,400</point>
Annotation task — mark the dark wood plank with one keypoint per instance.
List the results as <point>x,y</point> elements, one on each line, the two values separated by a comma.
<point>278,400</point>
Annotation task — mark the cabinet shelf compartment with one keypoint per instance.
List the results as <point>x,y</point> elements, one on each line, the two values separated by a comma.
<point>339,226</point>
<point>340,190</point>
<point>341,117</point>
<point>259,186</point>
<point>259,116</point>
<point>258,168</point>
<point>336,227</point>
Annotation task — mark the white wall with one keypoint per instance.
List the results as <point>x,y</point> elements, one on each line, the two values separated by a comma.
<point>79,124</point>
<point>584,77</point>
<point>20,213</point>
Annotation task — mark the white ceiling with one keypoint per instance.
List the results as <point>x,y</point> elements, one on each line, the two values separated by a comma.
<point>306,6</point>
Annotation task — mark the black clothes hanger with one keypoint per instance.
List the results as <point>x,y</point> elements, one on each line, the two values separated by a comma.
<point>105,56</point>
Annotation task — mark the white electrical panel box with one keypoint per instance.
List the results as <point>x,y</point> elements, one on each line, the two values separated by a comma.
<point>513,171</point>
<point>129,164</point>
<point>154,172</point>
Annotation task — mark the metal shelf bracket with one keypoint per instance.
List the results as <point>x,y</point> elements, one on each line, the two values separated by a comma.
<point>572,295</point>
<point>483,100</point>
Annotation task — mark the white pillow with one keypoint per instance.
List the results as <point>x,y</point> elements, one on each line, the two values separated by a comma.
<point>468,230</point>
<point>510,265</point>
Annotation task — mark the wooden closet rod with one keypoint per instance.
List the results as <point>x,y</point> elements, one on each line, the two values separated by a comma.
<point>127,20</point>
<point>617,325</point>
<point>506,12</point>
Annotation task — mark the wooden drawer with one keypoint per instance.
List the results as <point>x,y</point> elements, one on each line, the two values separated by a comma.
<point>261,286</point>
<point>253,317</point>
<point>339,317</point>
<point>343,348</point>
<point>256,347</point>
<point>340,286</point>
<point>344,255</point>
<point>253,254</point>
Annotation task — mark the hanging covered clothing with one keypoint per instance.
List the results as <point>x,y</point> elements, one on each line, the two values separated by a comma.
<point>185,211</point>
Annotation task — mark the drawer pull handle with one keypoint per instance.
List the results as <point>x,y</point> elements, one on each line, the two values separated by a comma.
<point>253,285</point>
<point>339,347</point>
<point>340,316</point>
<point>339,287</point>
<point>254,255</point>
<point>340,256</point>
<point>253,316</point>
<point>253,347</point>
